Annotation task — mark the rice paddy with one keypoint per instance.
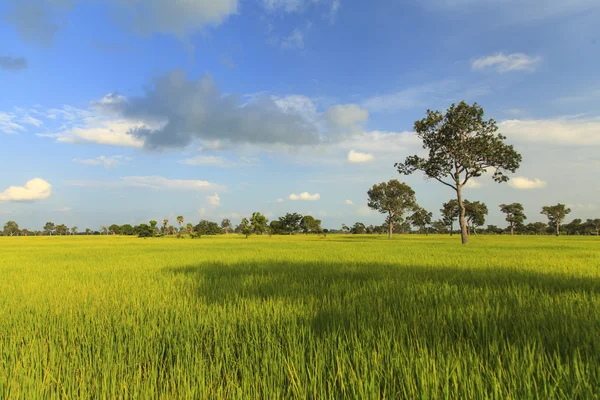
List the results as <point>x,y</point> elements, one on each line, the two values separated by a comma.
<point>358,317</point>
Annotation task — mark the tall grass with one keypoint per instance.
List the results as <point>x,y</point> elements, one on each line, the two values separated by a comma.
<point>300,317</point>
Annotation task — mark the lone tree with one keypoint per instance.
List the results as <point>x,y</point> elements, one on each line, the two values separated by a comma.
<point>226,225</point>
<point>462,145</point>
<point>49,228</point>
<point>420,219</point>
<point>450,213</point>
<point>258,223</point>
<point>514,215</point>
<point>11,228</point>
<point>556,215</point>
<point>392,198</point>
<point>475,213</point>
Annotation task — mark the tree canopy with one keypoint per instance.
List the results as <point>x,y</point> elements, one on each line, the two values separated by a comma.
<point>393,198</point>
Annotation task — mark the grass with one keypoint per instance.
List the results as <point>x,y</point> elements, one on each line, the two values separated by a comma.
<point>300,317</point>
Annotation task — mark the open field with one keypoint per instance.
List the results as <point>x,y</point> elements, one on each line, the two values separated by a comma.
<point>300,317</point>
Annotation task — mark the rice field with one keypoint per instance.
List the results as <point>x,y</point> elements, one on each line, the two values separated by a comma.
<point>358,317</point>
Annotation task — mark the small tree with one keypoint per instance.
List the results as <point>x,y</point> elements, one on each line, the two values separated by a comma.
<point>475,213</point>
<point>514,215</point>
<point>74,230</point>
<point>420,218</point>
<point>556,215</point>
<point>180,221</point>
<point>245,227</point>
<point>309,224</point>
<point>392,198</point>
<point>114,229</point>
<point>258,223</point>
<point>226,225</point>
<point>462,145</point>
<point>595,225</point>
<point>450,213</point>
<point>290,223</point>
<point>49,228</point>
<point>359,228</point>
<point>11,228</point>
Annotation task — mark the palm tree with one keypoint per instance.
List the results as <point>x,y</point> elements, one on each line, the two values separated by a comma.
<point>165,223</point>
<point>180,222</point>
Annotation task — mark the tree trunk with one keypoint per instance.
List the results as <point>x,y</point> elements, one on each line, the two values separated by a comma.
<point>512,230</point>
<point>390,226</point>
<point>452,228</point>
<point>464,234</point>
<point>557,229</point>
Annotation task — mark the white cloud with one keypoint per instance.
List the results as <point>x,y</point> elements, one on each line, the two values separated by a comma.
<point>522,183</point>
<point>472,184</point>
<point>214,200</point>
<point>7,124</point>
<point>295,40</point>
<point>215,161</point>
<point>305,196</point>
<point>28,119</point>
<point>357,157</point>
<point>101,131</point>
<point>106,162</point>
<point>566,131</point>
<point>297,104</point>
<point>159,182</point>
<point>35,189</point>
<point>349,202</point>
<point>365,211</point>
<point>346,116</point>
<point>505,63</point>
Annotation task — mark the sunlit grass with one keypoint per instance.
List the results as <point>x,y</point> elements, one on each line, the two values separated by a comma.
<point>300,317</point>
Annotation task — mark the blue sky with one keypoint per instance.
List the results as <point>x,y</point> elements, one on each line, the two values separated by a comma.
<point>121,111</point>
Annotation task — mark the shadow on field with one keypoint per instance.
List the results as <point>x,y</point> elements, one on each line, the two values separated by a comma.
<point>429,303</point>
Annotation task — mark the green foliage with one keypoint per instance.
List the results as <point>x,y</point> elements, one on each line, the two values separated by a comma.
<point>205,227</point>
<point>294,317</point>
<point>309,224</point>
<point>475,213</point>
<point>556,215</point>
<point>461,145</point>
<point>49,228</point>
<point>450,213</point>
<point>420,218</point>
<point>393,198</point>
<point>11,228</point>
<point>290,223</point>
<point>515,215</point>
<point>258,223</point>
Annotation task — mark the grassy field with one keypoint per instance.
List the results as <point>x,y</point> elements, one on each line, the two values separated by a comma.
<point>300,317</point>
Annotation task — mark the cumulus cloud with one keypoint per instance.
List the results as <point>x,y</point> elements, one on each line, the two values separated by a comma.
<point>106,162</point>
<point>35,189</point>
<point>40,20</point>
<point>188,110</point>
<point>349,202</point>
<point>12,63</point>
<point>502,63</point>
<point>305,196</point>
<point>152,182</point>
<point>112,132</point>
<point>214,200</point>
<point>522,183</point>
<point>358,157</point>
<point>346,118</point>
<point>565,131</point>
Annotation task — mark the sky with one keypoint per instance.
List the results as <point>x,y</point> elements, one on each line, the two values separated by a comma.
<point>122,111</point>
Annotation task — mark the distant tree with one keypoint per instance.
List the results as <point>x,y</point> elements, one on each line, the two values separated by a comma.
<point>275,228</point>
<point>153,225</point>
<point>189,229</point>
<point>392,198</point>
<point>49,228</point>
<point>25,232</point>
<point>62,229</point>
<point>450,213</point>
<point>258,223</point>
<point>126,229</point>
<point>358,228</point>
<point>439,226</point>
<point>11,228</point>
<point>475,213</point>
<point>574,227</point>
<point>74,230</point>
<point>226,225</point>
<point>164,226</point>
<point>104,230</point>
<point>309,224</point>
<point>462,145</point>
<point>539,228</point>
<point>180,221</point>
<point>114,229</point>
<point>290,223</point>
<point>594,225</point>
<point>144,230</point>
<point>514,215</point>
<point>493,230</point>
<point>206,227</point>
<point>420,218</point>
<point>345,228</point>
<point>245,227</point>
<point>556,215</point>
<point>88,231</point>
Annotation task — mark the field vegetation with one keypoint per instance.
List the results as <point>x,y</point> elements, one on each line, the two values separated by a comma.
<point>301,316</point>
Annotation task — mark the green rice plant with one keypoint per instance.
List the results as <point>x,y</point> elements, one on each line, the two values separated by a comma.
<point>358,317</point>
